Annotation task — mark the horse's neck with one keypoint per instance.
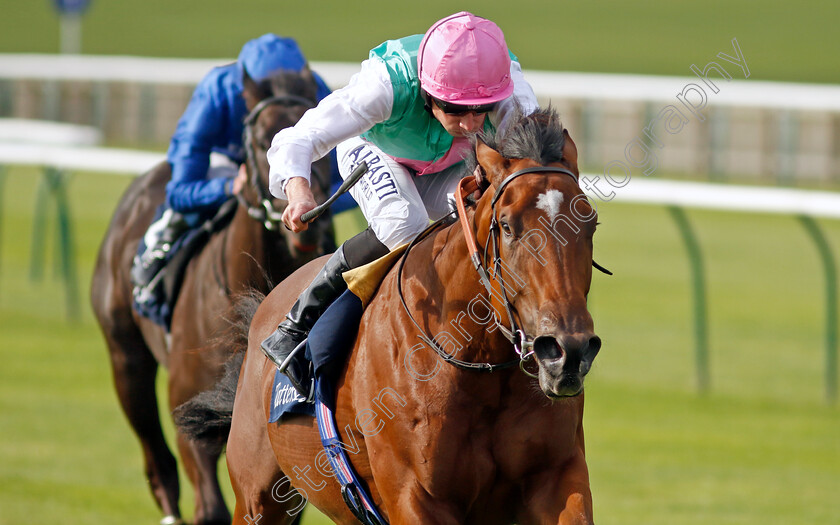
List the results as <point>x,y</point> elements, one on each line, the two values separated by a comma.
<point>461,306</point>
<point>244,231</point>
<point>244,246</point>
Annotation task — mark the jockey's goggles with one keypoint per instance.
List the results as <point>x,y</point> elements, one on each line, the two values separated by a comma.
<point>460,109</point>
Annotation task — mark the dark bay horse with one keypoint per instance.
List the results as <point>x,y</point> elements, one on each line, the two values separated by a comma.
<point>245,255</point>
<point>443,444</point>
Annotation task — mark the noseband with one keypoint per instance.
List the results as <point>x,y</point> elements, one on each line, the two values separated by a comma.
<point>265,211</point>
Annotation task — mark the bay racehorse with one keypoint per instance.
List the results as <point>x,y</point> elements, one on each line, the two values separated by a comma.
<point>462,400</point>
<point>247,254</point>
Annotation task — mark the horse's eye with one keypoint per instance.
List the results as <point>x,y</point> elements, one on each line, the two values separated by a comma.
<point>506,228</point>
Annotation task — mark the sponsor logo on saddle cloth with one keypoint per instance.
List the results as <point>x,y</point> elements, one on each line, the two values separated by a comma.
<point>286,400</point>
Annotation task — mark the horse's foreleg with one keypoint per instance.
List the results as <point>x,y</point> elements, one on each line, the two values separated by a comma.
<point>559,496</point>
<point>134,368</point>
<point>273,514</point>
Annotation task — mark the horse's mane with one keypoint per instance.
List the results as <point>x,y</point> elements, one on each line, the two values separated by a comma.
<point>285,82</point>
<point>300,83</point>
<point>537,136</point>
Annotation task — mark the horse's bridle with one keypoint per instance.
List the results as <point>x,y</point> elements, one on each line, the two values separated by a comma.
<point>265,211</point>
<point>523,344</point>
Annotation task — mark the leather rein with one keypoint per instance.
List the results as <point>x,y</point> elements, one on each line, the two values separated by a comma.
<point>523,344</point>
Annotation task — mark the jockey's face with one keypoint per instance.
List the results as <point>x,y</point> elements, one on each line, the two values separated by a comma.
<point>459,125</point>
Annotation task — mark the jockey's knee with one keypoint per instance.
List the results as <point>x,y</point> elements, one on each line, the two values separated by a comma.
<point>363,248</point>
<point>392,233</point>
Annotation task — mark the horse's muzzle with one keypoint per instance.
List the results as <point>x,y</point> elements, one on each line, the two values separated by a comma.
<point>564,361</point>
<point>308,242</point>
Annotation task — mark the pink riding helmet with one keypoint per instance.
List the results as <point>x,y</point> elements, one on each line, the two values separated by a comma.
<point>464,59</point>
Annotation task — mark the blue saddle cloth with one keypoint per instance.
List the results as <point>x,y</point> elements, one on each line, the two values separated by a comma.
<point>158,304</point>
<point>330,342</point>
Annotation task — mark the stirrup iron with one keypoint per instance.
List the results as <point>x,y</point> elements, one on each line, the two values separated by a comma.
<point>285,364</point>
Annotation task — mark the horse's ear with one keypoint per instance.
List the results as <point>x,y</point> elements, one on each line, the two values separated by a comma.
<point>309,86</point>
<point>570,152</point>
<point>491,161</point>
<point>251,92</point>
<point>306,73</point>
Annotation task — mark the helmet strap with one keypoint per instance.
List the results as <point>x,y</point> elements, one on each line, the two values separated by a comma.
<point>427,101</point>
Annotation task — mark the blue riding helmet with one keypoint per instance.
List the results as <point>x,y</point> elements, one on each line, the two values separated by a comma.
<point>267,54</point>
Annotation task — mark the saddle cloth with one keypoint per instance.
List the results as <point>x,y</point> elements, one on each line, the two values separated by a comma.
<point>286,400</point>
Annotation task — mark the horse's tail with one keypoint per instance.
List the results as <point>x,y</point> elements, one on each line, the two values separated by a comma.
<point>206,418</point>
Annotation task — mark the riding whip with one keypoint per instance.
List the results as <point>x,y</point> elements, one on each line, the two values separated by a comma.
<point>348,183</point>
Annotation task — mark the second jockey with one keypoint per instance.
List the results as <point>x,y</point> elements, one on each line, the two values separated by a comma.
<point>206,152</point>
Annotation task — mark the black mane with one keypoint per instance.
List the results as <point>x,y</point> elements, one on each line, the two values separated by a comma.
<point>537,136</point>
<point>301,83</point>
<point>286,82</point>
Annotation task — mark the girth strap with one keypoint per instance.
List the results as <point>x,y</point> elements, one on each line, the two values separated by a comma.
<point>355,496</point>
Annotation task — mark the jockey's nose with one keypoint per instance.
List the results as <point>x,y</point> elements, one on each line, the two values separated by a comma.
<point>472,122</point>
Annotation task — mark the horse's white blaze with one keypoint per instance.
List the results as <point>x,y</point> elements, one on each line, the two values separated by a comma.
<point>550,202</point>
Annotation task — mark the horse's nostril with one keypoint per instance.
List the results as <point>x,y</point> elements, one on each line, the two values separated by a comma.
<point>547,348</point>
<point>594,345</point>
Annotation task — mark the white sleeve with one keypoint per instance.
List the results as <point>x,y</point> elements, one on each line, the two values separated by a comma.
<point>522,94</point>
<point>348,112</point>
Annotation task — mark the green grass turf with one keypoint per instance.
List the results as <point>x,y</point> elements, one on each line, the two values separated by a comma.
<point>781,40</point>
<point>760,448</point>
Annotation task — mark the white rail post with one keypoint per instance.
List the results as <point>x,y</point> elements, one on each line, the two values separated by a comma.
<point>787,147</point>
<point>71,33</point>
<point>718,129</point>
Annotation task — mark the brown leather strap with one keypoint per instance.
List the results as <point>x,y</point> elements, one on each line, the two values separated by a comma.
<point>466,187</point>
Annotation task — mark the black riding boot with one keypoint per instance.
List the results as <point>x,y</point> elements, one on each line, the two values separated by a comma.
<point>292,332</point>
<point>282,346</point>
<point>161,236</point>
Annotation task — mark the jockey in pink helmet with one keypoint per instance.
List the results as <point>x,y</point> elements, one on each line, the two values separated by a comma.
<point>407,114</point>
